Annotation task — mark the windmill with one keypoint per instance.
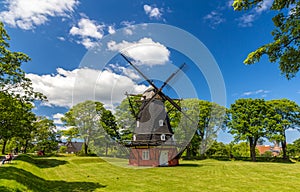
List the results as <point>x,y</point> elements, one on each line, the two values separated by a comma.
<point>152,142</point>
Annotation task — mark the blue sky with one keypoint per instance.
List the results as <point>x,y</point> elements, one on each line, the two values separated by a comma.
<point>57,34</point>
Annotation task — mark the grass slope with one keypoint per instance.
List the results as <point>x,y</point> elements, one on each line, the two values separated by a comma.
<point>29,173</point>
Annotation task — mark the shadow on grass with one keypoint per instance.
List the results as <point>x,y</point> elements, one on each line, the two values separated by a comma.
<point>189,165</point>
<point>41,162</point>
<point>35,183</point>
<point>258,159</point>
<point>5,189</point>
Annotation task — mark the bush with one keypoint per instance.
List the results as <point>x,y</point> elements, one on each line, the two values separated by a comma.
<point>63,149</point>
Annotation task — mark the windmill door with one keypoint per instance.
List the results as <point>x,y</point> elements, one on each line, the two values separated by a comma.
<point>163,158</point>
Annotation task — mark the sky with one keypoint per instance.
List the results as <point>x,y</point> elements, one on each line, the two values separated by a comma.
<point>61,36</point>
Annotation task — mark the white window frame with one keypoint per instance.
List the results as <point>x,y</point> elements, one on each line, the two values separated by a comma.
<point>161,122</point>
<point>145,155</point>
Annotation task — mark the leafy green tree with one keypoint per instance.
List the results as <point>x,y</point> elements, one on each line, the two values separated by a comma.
<point>286,45</point>
<point>293,149</point>
<point>45,134</point>
<point>71,133</point>
<point>209,118</point>
<point>218,149</point>
<point>240,150</point>
<point>126,114</point>
<point>93,122</point>
<point>16,92</point>
<point>250,120</point>
<point>287,117</point>
<point>16,118</point>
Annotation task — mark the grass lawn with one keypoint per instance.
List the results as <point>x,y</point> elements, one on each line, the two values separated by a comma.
<point>29,173</point>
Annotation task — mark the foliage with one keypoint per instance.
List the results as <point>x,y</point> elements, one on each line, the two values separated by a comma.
<point>126,114</point>
<point>93,122</point>
<point>286,45</point>
<point>16,118</point>
<point>63,149</point>
<point>293,149</point>
<point>250,119</point>
<point>44,135</point>
<point>218,149</point>
<point>70,133</point>
<point>287,117</point>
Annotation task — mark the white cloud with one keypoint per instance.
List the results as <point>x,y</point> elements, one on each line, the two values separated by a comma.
<point>89,32</point>
<point>261,92</point>
<point>61,38</point>
<point>26,14</point>
<point>153,12</point>
<point>111,29</point>
<point>214,18</point>
<point>68,88</point>
<point>247,19</point>
<point>88,28</point>
<point>57,118</point>
<point>129,27</point>
<point>145,51</point>
<point>263,6</point>
<point>126,71</point>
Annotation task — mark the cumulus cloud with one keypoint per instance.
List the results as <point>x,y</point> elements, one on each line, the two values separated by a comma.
<point>88,31</point>
<point>145,51</point>
<point>247,19</point>
<point>129,27</point>
<point>67,88</point>
<point>214,18</point>
<point>260,92</point>
<point>124,71</point>
<point>26,14</point>
<point>57,118</point>
<point>153,12</point>
<point>111,29</point>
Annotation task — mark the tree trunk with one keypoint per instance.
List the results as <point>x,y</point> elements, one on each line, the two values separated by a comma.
<point>25,147</point>
<point>283,145</point>
<point>252,142</point>
<point>188,151</point>
<point>4,146</point>
<point>106,149</point>
<point>85,149</point>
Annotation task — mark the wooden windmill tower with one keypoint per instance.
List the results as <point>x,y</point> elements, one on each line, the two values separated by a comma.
<point>153,143</point>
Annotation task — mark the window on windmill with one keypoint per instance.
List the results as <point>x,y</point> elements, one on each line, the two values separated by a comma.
<point>137,123</point>
<point>163,137</point>
<point>161,122</point>
<point>145,155</point>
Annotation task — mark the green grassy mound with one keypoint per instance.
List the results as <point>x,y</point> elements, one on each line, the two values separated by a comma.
<point>29,173</point>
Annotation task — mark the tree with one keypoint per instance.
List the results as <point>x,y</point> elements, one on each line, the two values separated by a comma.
<point>92,120</point>
<point>12,78</point>
<point>294,148</point>
<point>44,135</point>
<point>208,118</point>
<point>250,119</point>
<point>286,45</point>
<point>70,133</point>
<point>218,149</point>
<point>126,114</point>
<point>288,117</point>
<point>15,118</point>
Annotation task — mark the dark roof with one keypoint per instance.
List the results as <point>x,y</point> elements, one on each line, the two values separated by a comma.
<point>73,147</point>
